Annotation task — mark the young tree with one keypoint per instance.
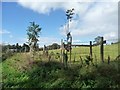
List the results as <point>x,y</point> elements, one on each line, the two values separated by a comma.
<point>33,34</point>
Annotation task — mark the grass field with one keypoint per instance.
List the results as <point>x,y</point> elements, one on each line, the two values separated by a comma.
<point>111,50</point>
<point>21,71</point>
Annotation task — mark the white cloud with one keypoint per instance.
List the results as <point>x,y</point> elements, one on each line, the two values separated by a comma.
<point>95,18</point>
<point>12,40</point>
<point>111,36</point>
<point>4,32</point>
<point>63,0</point>
<point>42,41</point>
<point>47,41</point>
<point>45,7</point>
<point>100,19</point>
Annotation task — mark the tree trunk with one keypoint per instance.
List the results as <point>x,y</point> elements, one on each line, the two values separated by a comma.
<point>31,50</point>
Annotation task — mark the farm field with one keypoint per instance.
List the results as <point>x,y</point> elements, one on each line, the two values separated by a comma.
<point>19,70</point>
<point>111,50</point>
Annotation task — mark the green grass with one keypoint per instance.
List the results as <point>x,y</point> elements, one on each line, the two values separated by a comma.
<point>111,50</point>
<point>21,71</point>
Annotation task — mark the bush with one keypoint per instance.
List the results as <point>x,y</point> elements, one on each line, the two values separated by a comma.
<point>7,55</point>
<point>102,82</point>
<point>106,70</point>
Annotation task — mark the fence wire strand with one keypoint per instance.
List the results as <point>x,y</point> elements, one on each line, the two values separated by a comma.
<point>111,51</point>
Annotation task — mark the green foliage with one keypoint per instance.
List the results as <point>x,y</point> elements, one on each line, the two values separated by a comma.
<point>87,60</point>
<point>15,48</point>
<point>33,34</point>
<point>25,48</point>
<point>53,46</point>
<point>54,75</point>
<point>98,39</point>
<point>57,56</point>
<point>6,55</point>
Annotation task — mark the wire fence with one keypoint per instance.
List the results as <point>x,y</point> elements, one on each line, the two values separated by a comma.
<point>82,50</point>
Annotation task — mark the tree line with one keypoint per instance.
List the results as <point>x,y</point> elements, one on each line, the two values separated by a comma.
<point>15,48</point>
<point>25,48</point>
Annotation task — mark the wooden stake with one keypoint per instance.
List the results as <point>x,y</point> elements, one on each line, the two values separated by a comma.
<point>90,49</point>
<point>102,50</point>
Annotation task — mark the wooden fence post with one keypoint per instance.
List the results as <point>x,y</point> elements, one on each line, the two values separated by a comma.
<point>102,50</point>
<point>70,47</point>
<point>90,49</point>
<point>61,59</point>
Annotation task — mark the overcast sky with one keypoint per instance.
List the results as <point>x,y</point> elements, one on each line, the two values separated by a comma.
<point>91,19</point>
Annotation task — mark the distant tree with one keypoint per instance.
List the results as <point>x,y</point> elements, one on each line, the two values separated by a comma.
<point>17,47</point>
<point>33,34</point>
<point>9,46</point>
<point>98,39</point>
<point>37,47</point>
<point>25,48</point>
<point>13,47</point>
<point>54,46</point>
<point>4,48</point>
<point>41,49</point>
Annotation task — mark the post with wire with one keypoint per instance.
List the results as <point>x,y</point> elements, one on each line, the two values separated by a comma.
<point>69,14</point>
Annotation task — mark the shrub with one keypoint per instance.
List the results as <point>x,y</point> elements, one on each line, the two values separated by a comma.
<point>7,55</point>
